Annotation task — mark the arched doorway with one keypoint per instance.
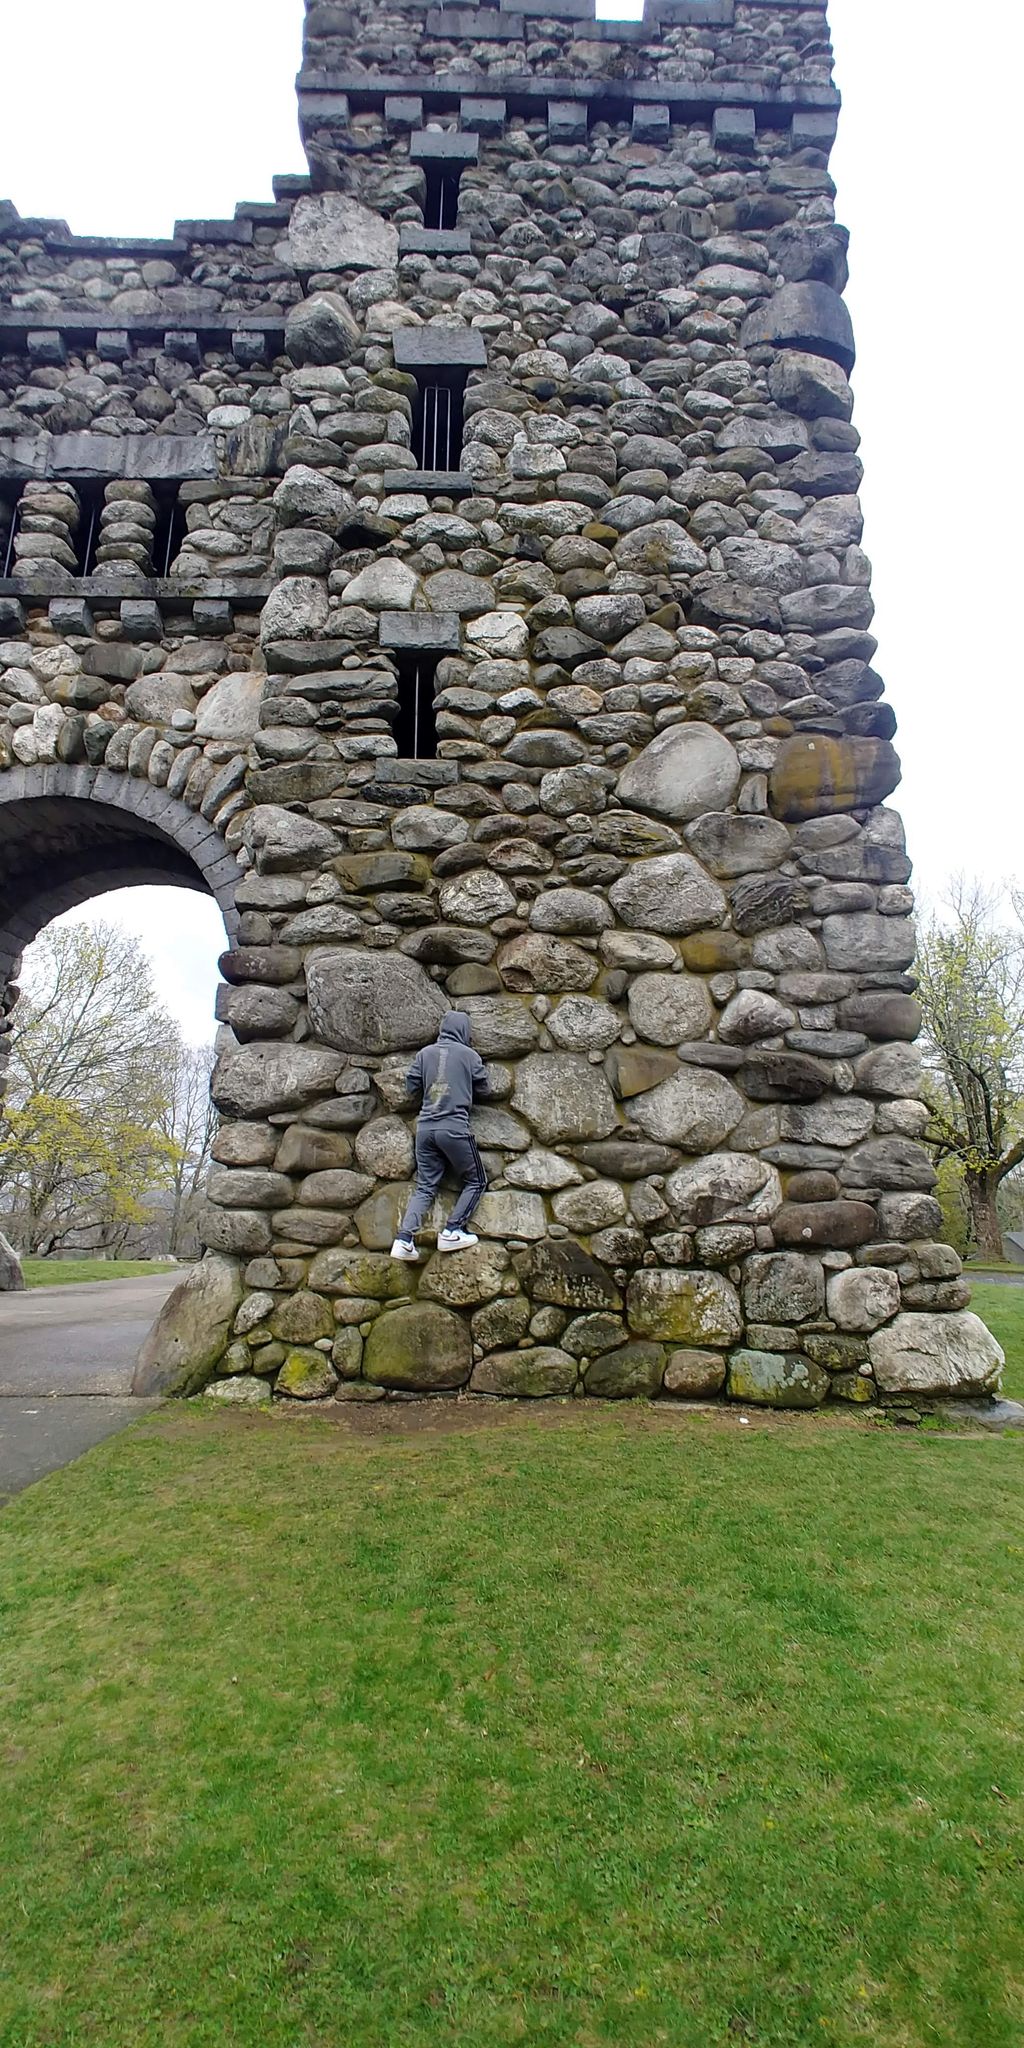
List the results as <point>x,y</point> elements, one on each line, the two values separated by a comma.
<point>71,834</point>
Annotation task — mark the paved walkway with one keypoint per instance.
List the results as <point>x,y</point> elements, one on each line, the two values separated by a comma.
<point>66,1361</point>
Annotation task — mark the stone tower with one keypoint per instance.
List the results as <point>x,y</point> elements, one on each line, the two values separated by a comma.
<point>455,566</point>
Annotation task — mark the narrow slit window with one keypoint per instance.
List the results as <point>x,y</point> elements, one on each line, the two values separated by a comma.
<point>441,202</point>
<point>169,532</point>
<point>88,532</point>
<point>416,724</point>
<point>437,425</point>
<point>10,509</point>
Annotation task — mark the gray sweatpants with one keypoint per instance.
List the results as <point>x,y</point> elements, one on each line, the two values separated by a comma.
<point>439,1149</point>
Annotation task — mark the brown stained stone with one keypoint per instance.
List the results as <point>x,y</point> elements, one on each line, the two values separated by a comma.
<point>304,1150</point>
<point>812,1187</point>
<point>694,1375</point>
<point>816,775</point>
<point>714,952</point>
<point>842,1225</point>
<point>632,1069</point>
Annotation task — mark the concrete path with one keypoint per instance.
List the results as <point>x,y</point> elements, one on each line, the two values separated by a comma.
<point>995,1279</point>
<point>66,1361</point>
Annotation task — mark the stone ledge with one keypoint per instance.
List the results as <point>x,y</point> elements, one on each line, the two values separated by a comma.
<point>173,458</point>
<point>523,93</point>
<point>79,325</point>
<point>108,594</point>
<point>432,483</point>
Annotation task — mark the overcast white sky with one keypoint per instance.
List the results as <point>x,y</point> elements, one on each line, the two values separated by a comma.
<point>120,117</point>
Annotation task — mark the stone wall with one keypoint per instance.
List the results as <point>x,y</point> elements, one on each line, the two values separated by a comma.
<point>651,855</point>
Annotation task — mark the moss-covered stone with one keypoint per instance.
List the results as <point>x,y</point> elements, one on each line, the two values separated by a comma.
<point>852,1386</point>
<point>684,1305</point>
<point>776,1379</point>
<point>347,1354</point>
<point>307,1375</point>
<point>631,1371</point>
<point>301,1318</point>
<point>422,1347</point>
<point>340,1271</point>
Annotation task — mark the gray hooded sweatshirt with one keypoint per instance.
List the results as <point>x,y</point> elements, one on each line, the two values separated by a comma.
<point>450,1075</point>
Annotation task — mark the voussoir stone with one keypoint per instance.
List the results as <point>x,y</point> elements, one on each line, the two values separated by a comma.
<point>374,1003</point>
<point>686,770</point>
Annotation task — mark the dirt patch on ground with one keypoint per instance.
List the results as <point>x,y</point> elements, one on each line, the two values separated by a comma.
<point>416,1416</point>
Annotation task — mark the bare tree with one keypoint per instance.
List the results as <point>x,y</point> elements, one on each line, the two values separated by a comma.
<point>189,1125</point>
<point>971,985</point>
<point>92,1051</point>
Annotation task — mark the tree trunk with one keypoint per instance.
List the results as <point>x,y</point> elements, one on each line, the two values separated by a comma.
<point>982,1189</point>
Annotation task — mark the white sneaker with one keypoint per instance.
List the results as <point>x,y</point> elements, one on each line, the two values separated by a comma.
<point>403,1248</point>
<point>455,1240</point>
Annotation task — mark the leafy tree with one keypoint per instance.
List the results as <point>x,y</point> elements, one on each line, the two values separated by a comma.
<point>971,987</point>
<point>83,1136</point>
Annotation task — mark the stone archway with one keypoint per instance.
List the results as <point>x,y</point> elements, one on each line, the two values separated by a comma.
<point>68,834</point>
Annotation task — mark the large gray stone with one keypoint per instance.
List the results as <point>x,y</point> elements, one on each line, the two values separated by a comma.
<point>230,709</point>
<point>783,1287</point>
<point>374,1003</point>
<point>526,1375</point>
<point>563,1098</point>
<point>863,1297</point>
<point>321,329</point>
<point>192,1330</point>
<point>936,1354</point>
<point>668,1009</point>
<point>807,316</point>
<point>695,1108</point>
<point>502,1027</point>
<point>686,770</point>
<point>670,893</point>
<point>332,231</point>
<point>12,1279</point>
<point>659,548</point>
<point>867,943</point>
<point>724,1186</point>
<point>732,843</point>
<point>258,1079</point>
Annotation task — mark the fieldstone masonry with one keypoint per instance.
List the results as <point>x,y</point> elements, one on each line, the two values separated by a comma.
<point>643,836</point>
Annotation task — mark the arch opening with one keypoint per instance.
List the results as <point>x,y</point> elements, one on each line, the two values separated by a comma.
<point>71,835</point>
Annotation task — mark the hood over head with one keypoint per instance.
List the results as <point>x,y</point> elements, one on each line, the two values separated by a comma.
<point>455,1025</point>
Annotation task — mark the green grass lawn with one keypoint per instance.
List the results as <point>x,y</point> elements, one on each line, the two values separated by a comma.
<point>59,1272</point>
<point>1002,1308</point>
<point>584,1729</point>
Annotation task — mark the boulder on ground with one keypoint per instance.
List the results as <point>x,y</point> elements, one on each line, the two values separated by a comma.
<point>191,1332</point>
<point>936,1354</point>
